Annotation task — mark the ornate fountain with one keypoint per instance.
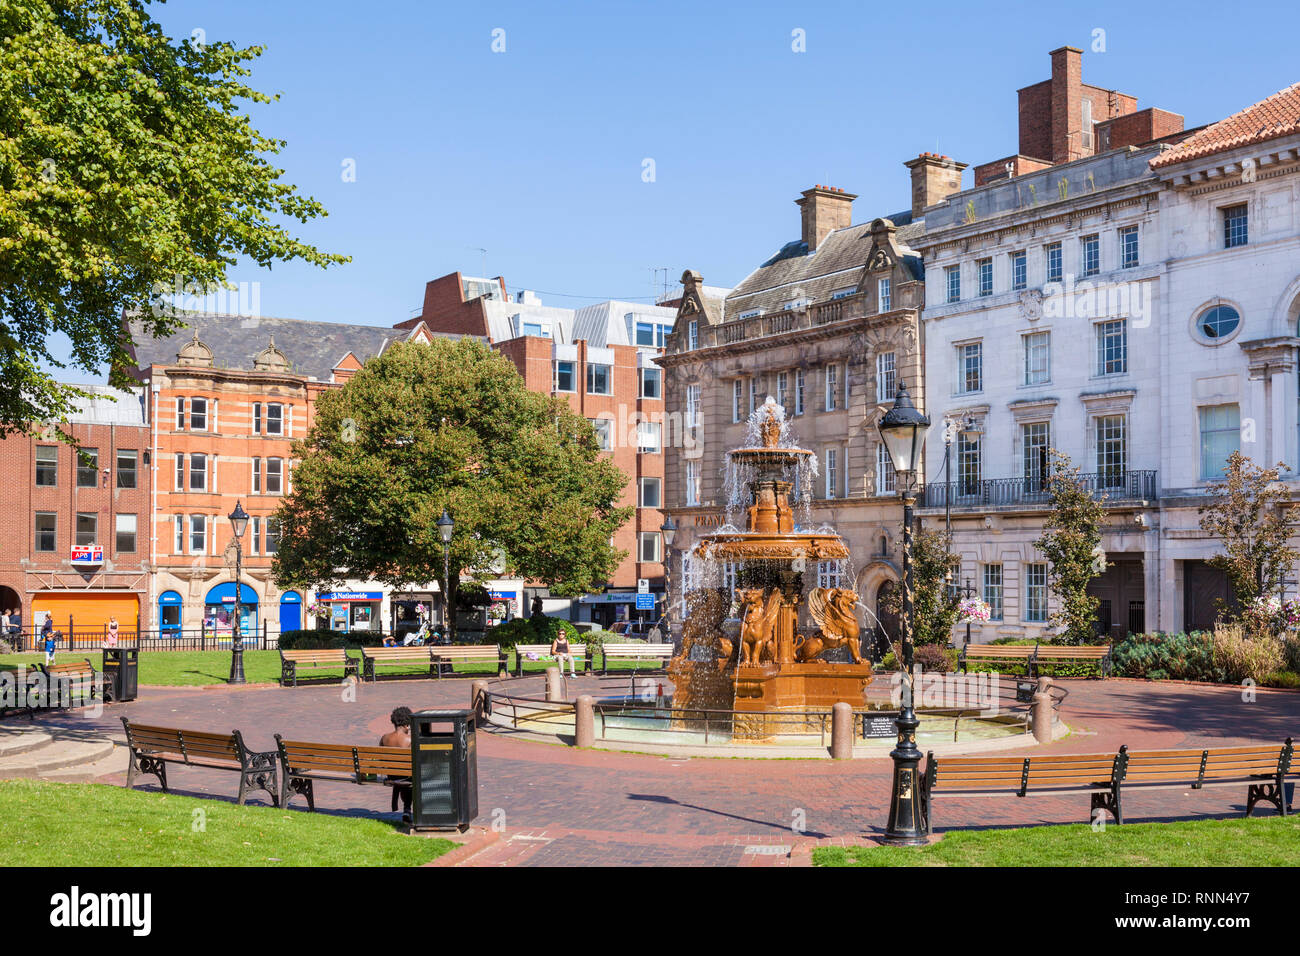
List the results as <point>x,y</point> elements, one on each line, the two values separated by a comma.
<point>756,637</point>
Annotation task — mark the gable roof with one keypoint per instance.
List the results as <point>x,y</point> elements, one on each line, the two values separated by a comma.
<point>1278,115</point>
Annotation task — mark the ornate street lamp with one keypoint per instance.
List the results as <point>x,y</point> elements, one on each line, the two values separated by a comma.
<point>238,522</point>
<point>903,429</point>
<point>669,530</point>
<point>445,528</point>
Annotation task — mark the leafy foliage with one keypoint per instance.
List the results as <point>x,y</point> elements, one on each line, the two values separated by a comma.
<point>1168,657</point>
<point>448,425</point>
<point>1250,517</point>
<point>1071,535</point>
<point>126,168</point>
<point>934,605</point>
<point>315,640</point>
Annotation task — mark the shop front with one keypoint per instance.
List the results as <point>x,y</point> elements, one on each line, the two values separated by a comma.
<point>352,610</point>
<point>169,613</point>
<point>219,610</point>
<point>83,612</point>
<point>606,610</point>
<point>409,609</point>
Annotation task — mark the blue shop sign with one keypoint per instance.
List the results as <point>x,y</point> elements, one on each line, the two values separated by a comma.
<point>351,596</point>
<point>503,595</point>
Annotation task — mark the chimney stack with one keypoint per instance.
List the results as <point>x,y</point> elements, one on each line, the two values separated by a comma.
<point>1067,105</point>
<point>823,210</point>
<point>934,178</point>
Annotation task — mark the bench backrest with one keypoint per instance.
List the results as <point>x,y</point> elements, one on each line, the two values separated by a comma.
<point>327,655</point>
<point>1087,652</point>
<point>186,743</point>
<point>466,650</point>
<point>300,755</point>
<point>575,649</point>
<point>415,653</point>
<point>648,650</point>
<point>1021,773</point>
<point>999,650</point>
<point>1193,766</point>
<point>75,669</point>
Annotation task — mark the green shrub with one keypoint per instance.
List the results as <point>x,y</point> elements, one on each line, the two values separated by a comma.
<point>1241,658</point>
<point>1291,648</point>
<point>932,658</point>
<point>1281,679</point>
<point>1158,656</point>
<point>512,633</point>
<point>315,640</point>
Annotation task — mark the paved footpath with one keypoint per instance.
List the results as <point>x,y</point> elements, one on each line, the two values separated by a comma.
<point>548,804</point>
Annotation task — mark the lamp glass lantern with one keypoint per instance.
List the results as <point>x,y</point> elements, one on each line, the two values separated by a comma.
<point>669,530</point>
<point>903,429</point>
<point>239,520</point>
<point>445,527</point>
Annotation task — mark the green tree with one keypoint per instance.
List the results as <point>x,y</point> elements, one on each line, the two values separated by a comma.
<point>449,425</point>
<point>127,169</point>
<point>1071,537</point>
<point>1249,513</point>
<point>934,602</point>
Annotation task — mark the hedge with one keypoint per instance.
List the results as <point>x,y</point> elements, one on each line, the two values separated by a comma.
<point>316,640</point>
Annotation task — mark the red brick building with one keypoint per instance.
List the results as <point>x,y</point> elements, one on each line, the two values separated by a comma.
<point>76,527</point>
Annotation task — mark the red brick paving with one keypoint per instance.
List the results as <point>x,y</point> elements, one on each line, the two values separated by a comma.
<point>559,806</point>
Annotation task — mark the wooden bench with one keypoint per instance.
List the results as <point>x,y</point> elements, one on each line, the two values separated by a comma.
<point>371,657</point>
<point>1017,653</point>
<point>79,676</point>
<point>152,748</point>
<point>1060,652</point>
<point>446,656</point>
<point>1093,774</point>
<point>579,652</point>
<point>302,763</point>
<point>1261,768</point>
<point>290,661</point>
<point>658,653</point>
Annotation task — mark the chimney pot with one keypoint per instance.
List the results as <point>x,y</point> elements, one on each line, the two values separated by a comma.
<point>934,177</point>
<point>824,209</point>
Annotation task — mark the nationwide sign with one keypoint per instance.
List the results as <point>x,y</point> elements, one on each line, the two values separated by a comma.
<point>87,554</point>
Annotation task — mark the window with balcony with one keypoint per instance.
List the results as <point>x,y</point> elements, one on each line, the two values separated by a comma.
<point>1112,451</point>
<point>1112,347</point>
<point>47,466</point>
<point>968,465</point>
<point>1235,232</point>
<point>1035,455</point>
<point>1220,437</point>
<point>1038,351</point>
<point>599,379</point>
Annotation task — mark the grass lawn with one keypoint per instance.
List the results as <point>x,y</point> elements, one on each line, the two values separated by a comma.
<point>86,824</point>
<point>1256,841</point>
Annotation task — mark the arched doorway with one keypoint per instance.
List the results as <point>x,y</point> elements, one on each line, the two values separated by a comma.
<point>169,614</point>
<point>886,619</point>
<point>219,609</point>
<point>11,602</point>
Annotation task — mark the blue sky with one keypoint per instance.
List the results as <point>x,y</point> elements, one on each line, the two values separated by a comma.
<point>535,154</point>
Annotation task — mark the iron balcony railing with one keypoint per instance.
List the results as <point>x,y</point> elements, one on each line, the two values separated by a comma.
<point>1115,486</point>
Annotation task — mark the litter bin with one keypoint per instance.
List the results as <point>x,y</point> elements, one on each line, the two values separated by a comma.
<point>121,673</point>
<point>444,770</point>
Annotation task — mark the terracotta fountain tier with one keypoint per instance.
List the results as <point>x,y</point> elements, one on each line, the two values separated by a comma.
<point>769,664</point>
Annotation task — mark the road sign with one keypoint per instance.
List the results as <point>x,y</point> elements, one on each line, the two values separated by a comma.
<point>645,602</point>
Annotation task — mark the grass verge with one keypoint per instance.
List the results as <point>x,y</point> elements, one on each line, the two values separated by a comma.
<point>86,824</point>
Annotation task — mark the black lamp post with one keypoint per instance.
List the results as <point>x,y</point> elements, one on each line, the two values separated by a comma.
<point>239,522</point>
<point>669,530</point>
<point>445,528</point>
<point>903,429</point>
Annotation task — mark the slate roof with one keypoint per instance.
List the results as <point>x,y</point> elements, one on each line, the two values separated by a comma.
<point>1278,115</point>
<point>312,348</point>
<point>791,273</point>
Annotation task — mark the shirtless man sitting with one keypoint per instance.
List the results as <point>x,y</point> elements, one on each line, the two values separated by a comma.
<point>400,736</point>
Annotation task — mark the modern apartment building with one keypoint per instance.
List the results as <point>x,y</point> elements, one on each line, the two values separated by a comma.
<point>828,326</point>
<point>600,359</point>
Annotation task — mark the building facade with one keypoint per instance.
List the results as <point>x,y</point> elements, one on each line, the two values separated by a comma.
<point>828,327</point>
<point>76,524</point>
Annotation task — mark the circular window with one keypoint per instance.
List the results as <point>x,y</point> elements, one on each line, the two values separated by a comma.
<point>1217,323</point>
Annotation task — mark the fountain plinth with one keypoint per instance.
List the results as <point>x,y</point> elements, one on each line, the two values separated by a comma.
<point>768,664</point>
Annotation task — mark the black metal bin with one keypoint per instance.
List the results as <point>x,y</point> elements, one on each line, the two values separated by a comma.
<point>121,673</point>
<point>444,770</point>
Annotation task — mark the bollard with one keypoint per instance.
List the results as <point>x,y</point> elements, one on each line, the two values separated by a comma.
<point>477,694</point>
<point>554,684</point>
<point>1042,711</point>
<point>841,731</point>
<point>584,721</point>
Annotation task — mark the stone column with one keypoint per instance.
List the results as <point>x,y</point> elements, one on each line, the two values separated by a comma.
<point>584,721</point>
<point>477,692</point>
<point>554,684</point>
<point>1042,711</point>
<point>841,731</point>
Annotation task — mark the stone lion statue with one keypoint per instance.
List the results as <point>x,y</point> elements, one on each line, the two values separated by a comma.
<point>833,610</point>
<point>758,624</point>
